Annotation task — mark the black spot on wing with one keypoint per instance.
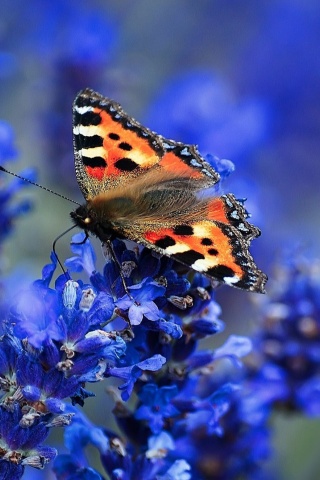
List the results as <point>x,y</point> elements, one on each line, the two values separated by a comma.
<point>125,146</point>
<point>165,242</point>
<point>126,164</point>
<point>206,241</point>
<point>213,252</point>
<point>220,272</point>
<point>84,141</point>
<point>94,162</point>
<point>188,257</point>
<point>114,136</point>
<point>86,119</point>
<point>183,230</point>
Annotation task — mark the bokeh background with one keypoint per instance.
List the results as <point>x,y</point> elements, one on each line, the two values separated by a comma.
<point>239,78</point>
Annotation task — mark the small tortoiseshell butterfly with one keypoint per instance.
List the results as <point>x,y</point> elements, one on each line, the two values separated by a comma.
<point>143,187</point>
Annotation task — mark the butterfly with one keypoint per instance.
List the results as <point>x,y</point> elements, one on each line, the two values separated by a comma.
<point>143,187</point>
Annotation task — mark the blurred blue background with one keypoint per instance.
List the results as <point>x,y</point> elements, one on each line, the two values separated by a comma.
<point>239,78</point>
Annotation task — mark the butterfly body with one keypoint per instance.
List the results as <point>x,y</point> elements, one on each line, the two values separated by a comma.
<point>143,187</point>
<point>153,201</point>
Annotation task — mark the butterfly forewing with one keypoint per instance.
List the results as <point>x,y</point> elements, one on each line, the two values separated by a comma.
<point>111,148</point>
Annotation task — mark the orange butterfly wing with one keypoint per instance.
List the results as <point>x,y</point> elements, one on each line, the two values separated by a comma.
<point>217,246</point>
<point>111,148</point>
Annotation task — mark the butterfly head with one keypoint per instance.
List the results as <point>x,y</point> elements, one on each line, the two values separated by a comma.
<point>88,218</point>
<point>83,217</point>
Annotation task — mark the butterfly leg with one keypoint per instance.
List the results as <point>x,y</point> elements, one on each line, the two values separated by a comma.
<point>113,255</point>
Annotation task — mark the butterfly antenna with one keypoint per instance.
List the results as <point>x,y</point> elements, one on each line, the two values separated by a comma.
<point>37,185</point>
<point>55,253</point>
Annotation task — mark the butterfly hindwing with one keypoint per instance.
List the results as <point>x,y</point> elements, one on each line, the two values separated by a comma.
<point>212,248</point>
<point>227,209</point>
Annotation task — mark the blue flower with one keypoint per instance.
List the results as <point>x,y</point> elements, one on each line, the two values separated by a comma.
<point>10,350</point>
<point>156,405</point>
<point>160,442</point>
<point>55,345</point>
<point>21,445</point>
<point>163,345</point>
<point>215,436</point>
<point>142,302</point>
<point>287,341</point>
<point>66,468</point>
<point>178,471</point>
<point>85,256</point>
<point>234,348</point>
<point>116,456</point>
<point>10,208</point>
<point>80,434</point>
<point>132,373</point>
<point>35,316</point>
